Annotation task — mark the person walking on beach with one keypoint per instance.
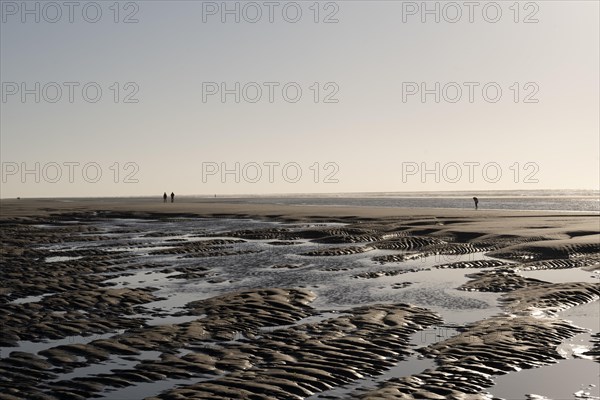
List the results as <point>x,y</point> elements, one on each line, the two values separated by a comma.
<point>172,197</point>
<point>476,200</point>
<point>165,197</point>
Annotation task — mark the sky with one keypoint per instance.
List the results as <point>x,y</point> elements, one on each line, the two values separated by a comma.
<point>138,98</point>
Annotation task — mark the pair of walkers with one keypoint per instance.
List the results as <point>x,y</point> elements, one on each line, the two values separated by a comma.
<point>172,197</point>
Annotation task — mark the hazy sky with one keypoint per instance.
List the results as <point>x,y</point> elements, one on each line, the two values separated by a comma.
<point>360,120</point>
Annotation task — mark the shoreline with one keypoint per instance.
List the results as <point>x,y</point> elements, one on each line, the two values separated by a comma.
<point>10,208</point>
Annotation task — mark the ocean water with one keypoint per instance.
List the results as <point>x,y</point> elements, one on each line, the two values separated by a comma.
<point>539,200</point>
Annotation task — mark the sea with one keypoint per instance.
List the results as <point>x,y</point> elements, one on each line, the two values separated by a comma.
<point>535,200</point>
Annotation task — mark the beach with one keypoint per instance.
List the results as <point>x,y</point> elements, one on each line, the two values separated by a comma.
<point>203,298</point>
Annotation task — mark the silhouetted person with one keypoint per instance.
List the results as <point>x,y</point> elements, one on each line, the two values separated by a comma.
<point>165,197</point>
<point>476,200</point>
<point>172,197</point>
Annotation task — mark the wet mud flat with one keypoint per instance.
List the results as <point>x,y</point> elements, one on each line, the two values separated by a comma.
<point>143,305</point>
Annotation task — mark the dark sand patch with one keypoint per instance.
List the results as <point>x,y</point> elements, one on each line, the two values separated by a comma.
<point>497,345</point>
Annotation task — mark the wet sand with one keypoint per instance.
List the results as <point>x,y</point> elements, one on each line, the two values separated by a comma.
<point>130,298</point>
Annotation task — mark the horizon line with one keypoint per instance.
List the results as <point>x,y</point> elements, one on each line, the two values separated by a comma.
<point>315,194</point>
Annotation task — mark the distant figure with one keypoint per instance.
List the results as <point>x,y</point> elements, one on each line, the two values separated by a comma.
<point>172,197</point>
<point>476,200</point>
<point>165,197</point>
